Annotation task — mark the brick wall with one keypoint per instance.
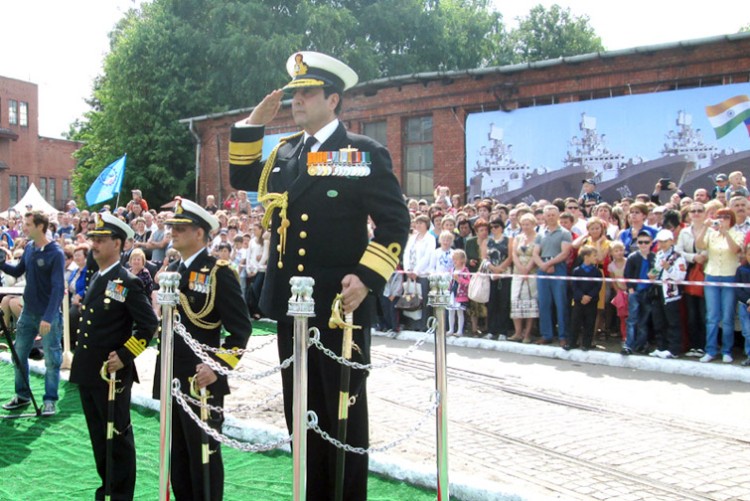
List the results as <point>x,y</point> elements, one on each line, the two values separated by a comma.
<point>449,98</point>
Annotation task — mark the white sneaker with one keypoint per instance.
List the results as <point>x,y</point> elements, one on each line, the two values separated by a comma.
<point>706,358</point>
<point>727,359</point>
<point>49,408</point>
<point>667,355</point>
<point>458,334</point>
<point>656,353</point>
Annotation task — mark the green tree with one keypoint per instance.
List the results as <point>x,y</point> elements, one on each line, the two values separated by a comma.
<point>551,33</point>
<point>173,59</point>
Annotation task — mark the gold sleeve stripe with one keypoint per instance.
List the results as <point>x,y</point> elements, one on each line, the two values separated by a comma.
<point>136,346</point>
<point>230,359</point>
<point>383,252</point>
<point>378,264</point>
<point>243,153</point>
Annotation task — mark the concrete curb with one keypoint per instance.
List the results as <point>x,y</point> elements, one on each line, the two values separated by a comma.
<point>713,370</point>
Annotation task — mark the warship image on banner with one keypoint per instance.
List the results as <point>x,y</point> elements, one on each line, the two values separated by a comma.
<point>686,160</point>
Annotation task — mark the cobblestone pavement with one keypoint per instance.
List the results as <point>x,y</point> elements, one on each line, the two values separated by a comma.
<point>546,428</point>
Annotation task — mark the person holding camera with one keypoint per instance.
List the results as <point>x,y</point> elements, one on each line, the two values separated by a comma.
<point>723,244</point>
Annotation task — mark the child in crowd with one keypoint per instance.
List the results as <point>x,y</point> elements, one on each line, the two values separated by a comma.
<point>459,293</point>
<point>392,291</point>
<point>737,185</point>
<point>743,298</point>
<point>224,253</point>
<point>616,269</point>
<point>442,258</point>
<point>637,266</point>
<point>669,266</point>
<point>585,294</point>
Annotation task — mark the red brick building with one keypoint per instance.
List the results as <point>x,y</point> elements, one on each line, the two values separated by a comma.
<point>421,117</point>
<point>25,157</point>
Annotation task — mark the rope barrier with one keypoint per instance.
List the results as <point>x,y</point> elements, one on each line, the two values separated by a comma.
<point>592,279</point>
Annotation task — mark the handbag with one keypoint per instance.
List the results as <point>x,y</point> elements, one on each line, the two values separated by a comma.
<point>410,300</point>
<point>524,308</point>
<point>479,285</point>
<point>695,274</point>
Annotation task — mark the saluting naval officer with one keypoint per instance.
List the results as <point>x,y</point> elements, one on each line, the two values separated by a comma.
<point>117,323</point>
<point>318,204</point>
<point>210,297</point>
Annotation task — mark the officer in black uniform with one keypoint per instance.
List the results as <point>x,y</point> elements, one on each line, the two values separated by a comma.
<point>210,297</point>
<point>117,322</point>
<point>319,186</point>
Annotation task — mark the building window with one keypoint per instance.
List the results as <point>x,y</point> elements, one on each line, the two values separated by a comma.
<point>23,186</point>
<point>65,189</point>
<point>13,187</point>
<point>23,114</point>
<point>376,131</point>
<point>418,167</point>
<point>43,187</point>
<point>51,189</point>
<point>12,112</point>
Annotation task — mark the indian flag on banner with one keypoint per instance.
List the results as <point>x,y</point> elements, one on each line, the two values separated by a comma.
<point>725,116</point>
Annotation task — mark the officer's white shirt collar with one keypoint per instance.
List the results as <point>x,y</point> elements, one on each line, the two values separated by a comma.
<point>108,269</point>
<point>323,134</point>
<point>187,262</point>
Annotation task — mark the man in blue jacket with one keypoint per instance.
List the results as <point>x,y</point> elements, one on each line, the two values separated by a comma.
<point>43,262</point>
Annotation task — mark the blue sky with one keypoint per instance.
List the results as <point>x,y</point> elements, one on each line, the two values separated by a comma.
<point>633,125</point>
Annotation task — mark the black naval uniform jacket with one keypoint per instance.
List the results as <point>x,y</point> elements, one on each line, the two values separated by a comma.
<point>326,239</point>
<point>327,236</point>
<point>110,322</point>
<point>229,309</point>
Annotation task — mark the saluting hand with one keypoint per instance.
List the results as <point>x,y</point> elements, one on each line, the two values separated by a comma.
<point>267,109</point>
<point>353,292</point>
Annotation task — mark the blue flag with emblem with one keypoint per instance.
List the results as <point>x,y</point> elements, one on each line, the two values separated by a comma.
<point>108,183</point>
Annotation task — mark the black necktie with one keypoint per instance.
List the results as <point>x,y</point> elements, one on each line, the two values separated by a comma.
<point>306,148</point>
<point>182,268</point>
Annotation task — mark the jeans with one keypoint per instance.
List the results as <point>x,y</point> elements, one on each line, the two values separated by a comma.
<point>27,329</point>
<point>553,293</point>
<point>720,308</point>
<point>637,323</point>
<point>745,322</point>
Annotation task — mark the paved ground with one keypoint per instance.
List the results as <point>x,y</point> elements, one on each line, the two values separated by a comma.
<point>541,423</point>
<point>536,422</point>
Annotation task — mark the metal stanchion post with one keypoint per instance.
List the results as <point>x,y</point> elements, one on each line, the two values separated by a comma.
<point>301,307</point>
<point>168,296</point>
<point>439,299</point>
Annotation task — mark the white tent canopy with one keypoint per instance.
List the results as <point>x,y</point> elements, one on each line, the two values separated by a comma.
<point>35,199</point>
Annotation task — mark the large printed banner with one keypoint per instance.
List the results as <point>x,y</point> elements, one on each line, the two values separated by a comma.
<point>624,143</point>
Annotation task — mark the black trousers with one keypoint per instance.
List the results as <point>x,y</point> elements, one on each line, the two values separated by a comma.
<point>324,376</point>
<point>498,307</point>
<point>583,320</point>
<point>667,326</point>
<point>186,471</point>
<point>94,400</point>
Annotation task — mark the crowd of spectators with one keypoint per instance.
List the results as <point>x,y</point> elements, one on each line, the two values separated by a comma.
<point>617,269</point>
<point>698,237</point>
<point>240,240</point>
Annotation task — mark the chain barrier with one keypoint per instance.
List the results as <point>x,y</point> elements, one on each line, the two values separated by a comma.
<point>315,341</point>
<point>226,351</point>
<point>199,349</point>
<point>181,399</point>
<point>215,366</point>
<point>232,410</point>
<point>312,423</point>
